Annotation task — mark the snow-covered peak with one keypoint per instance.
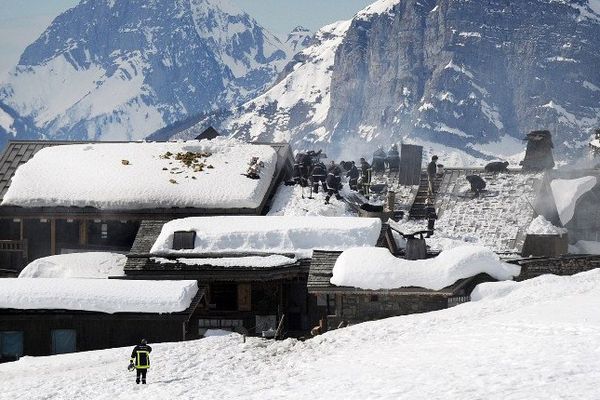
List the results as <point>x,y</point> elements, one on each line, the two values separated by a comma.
<point>299,38</point>
<point>122,69</point>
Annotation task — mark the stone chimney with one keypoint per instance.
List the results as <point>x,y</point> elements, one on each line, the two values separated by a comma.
<point>538,156</point>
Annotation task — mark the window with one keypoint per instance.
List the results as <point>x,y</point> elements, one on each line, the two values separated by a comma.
<point>64,341</point>
<point>184,240</point>
<point>11,344</point>
<point>104,231</point>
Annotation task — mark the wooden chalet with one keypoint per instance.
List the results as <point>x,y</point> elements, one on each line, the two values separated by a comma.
<point>348,305</point>
<point>28,233</point>
<point>41,332</point>
<point>240,294</point>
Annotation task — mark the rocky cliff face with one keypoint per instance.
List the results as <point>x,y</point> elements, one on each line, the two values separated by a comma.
<point>472,75</point>
<point>121,69</point>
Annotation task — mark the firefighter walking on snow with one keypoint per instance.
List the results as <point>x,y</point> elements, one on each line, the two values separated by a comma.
<point>140,361</point>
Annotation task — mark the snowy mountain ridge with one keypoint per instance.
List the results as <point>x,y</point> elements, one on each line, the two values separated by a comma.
<point>459,77</point>
<point>121,69</point>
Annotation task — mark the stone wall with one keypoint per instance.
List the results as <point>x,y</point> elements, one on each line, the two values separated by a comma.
<point>354,308</point>
<point>566,265</point>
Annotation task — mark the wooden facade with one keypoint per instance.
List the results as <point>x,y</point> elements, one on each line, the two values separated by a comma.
<point>30,233</point>
<point>38,329</point>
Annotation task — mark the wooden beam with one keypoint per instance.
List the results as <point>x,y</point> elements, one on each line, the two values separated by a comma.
<point>83,232</point>
<point>21,229</point>
<point>52,237</point>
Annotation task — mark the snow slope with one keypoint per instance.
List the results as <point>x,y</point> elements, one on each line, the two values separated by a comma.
<point>76,265</point>
<point>518,341</point>
<point>302,95</point>
<point>143,175</point>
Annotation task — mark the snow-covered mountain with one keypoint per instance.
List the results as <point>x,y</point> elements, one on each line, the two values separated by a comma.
<point>468,75</point>
<point>121,69</point>
<point>299,38</point>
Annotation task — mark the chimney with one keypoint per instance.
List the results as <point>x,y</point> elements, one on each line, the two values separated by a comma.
<point>538,156</point>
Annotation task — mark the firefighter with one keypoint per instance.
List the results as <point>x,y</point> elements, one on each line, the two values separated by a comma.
<point>302,169</point>
<point>333,181</point>
<point>352,176</point>
<point>140,361</point>
<point>365,176</point>
<point>477,184</point>
<point>431,175</point>
<point>431,217</point>
<point>318,176</point>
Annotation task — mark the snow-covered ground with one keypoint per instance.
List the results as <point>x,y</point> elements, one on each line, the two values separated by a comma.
<point>144,175</point>
<point>518,341</point>
<point>77,265</point>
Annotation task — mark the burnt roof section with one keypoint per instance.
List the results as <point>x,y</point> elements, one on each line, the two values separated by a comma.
<point>321,271</point>
<point>19,152</point>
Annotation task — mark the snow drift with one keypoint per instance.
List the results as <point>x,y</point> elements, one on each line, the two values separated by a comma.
<point>77,265</point>
<point>377,268</point>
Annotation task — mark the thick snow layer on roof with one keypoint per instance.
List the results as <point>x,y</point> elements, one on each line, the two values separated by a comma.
<point>143,175</point>
<point>585,247</point>
<point>77,265</point>
<point>250,262</point>
<point>294,235</point>
<point>101,295</point>
<point>566,192</point>
<point>376,268</point>
<point>541,226</point>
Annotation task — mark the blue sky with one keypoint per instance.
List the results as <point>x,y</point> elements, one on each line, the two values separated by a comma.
<point>22,21</point>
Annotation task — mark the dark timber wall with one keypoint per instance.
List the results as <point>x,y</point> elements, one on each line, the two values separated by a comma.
<point>94,331</point>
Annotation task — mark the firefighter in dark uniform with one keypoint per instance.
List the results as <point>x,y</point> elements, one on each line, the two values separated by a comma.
<point>365,176</point>
<point>333,181</point>
<point>140,360</point>
<point>352,176</point>
<point>431,175</point>
<point>431,217</point>
<point>318,176</point>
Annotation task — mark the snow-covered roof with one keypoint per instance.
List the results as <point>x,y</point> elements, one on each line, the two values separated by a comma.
<point>269,261</point>
<point>128,176</point>
<point>77,265</point>
<point>566,192</point>
<point>100,295</point>
<point>376,268</point>
<point>269,235</point>
<point>496,219</point>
